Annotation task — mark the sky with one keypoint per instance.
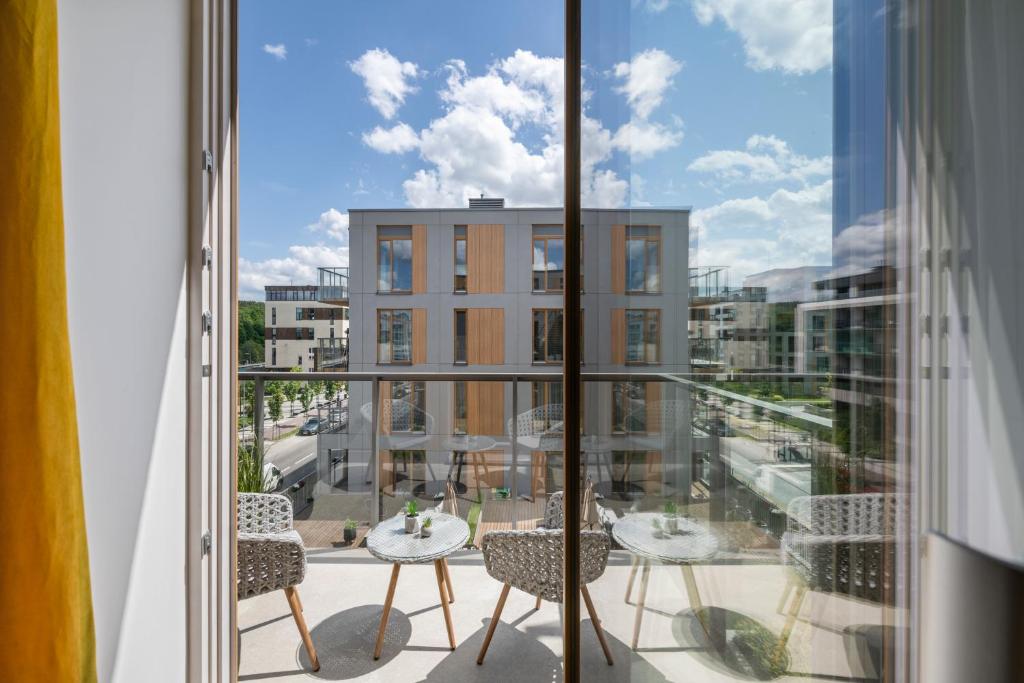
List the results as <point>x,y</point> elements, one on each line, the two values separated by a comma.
<point>724,106</point>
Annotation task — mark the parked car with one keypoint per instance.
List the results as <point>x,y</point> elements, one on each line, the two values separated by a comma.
<point>312,426</point>
<point>789,453</point>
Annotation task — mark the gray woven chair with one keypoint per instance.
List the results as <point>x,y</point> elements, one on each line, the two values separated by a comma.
<point>531,561</point>
<point>842,544</point>
<point>271,556</point>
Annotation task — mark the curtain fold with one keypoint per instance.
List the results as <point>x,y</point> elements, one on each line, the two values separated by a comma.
<point>46,621</point>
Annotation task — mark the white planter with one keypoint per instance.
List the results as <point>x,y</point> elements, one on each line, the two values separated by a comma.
<point>411,524</point>
<point>671,525</point>
<point>425,531</point>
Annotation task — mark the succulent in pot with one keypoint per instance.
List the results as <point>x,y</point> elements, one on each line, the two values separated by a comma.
<point>426,528</point>
<point>671,517</point>
<point>411,516</point>
<point>656,529</point>
<point>350,530</point>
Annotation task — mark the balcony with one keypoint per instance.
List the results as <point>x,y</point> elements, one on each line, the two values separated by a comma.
<point>734,463</point>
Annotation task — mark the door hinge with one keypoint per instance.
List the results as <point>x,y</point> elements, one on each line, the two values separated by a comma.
<point>205,544</point>
<point>207,256</point>
<point>207,322</point>
<point>207,160</point>
<point>206,370</point>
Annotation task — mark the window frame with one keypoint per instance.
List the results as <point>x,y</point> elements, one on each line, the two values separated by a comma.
<point>463,237</point>
<point>391,312</point>
<point>622,426</point>
<point>647,238</point>
<point>391,265</point>
<point>455,336</point>
<point>647,314</point>
<point>533,337</point>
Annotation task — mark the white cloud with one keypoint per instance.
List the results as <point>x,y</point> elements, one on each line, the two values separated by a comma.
<point>500,134</point>
<point>652,6</point>
<point>643,139</point>
<point>298,268</point>
<point>647,76</point>
<point>334,223</point>
<point>387,80</point>
<point>396,140</point>
<point>765,159</point>
<point>786,229</point>
<point>279,51</point>
<point>790,35</point>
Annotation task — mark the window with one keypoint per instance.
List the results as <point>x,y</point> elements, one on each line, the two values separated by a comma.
<point>547,395</point>
<point>547,335</point>
<point>394,336</point>
<point>332,333</point>
<point>629,411</point>
<point>394,260</point>
<point>300,361</point>
<point>460,258</point>
<point>643,259</point>
<point>408,406</point>
<point>298,313</point>
<point>548,259</point>
<point>642,334</point>
<point>273,356</point>
<point>273,315</point>
<point>460,335</point>
<point>461,412</point>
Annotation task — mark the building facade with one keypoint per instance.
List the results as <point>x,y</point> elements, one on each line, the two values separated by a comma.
<point>300,324</point>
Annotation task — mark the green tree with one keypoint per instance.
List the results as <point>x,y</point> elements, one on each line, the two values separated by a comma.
<point>250,331</point>
<point>305,398</point>
<point>291,390</point>
<point>330,390</point>
<point>275,405</point>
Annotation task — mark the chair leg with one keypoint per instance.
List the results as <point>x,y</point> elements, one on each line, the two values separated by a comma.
<point>645,576</point>
<point>387,610</point>
<point>448,581</point>
<point>785,596</point>
<point>494,622</point>
<point>597,624</point>
<point>537,606</point>
<point>632,577</point>
<point>794,612</point>
<point>439,570</point>
<point>300,621</point>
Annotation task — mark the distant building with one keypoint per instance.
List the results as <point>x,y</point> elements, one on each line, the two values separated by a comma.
<point>307,325</point>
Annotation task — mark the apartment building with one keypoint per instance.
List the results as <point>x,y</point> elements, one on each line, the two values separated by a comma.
<point>480,289</point>
<point>306,325</point>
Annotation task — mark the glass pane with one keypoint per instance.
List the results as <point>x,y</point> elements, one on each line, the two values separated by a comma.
<point>402,264</point>
<point>554,336</point>
<point>539,264</point>
<point>384,266</point>
<point>556,264</point>
<point>539,336</point>
<point>635,271</point>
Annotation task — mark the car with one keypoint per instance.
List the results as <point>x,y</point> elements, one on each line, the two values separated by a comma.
<point>789,453</point>
<point>312,426</point>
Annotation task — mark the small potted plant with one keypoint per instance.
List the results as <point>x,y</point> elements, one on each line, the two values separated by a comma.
<point>411,516</point>
<point>426,528</point>
<point>350,530</point>
<point>671,517</point>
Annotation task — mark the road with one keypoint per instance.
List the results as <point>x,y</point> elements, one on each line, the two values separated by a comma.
<point>291,453</point>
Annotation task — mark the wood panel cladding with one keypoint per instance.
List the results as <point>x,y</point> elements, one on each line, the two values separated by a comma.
<point>384,410</point>
<point>419,259</point>
<point>485,259</point>
<point>485,408</point>
<point>485,336</point>
<point>618,259</point>
<point>652,404</point>
<point>618,336</point>
<point>419,336</point>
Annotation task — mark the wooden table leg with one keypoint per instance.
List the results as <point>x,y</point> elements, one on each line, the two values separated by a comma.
<point>439,570</point>
<point>387,611</point>
<point>645,576</point>
<point>632,577</point>
<point>448,581</point>
<point>693,594</point>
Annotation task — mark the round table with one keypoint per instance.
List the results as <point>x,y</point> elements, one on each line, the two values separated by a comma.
<point>693,542</point>
<point>389,542</point>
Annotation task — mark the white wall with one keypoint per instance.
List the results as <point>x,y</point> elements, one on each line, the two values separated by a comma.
<point>123,89</point>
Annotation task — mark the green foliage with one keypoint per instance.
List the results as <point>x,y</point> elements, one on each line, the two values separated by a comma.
<point>275,404</point>
<point>412,508</point>
<point>251,478</point>
<point>250,331</point>
<point>351,524</point>
<point>427,523</point>
<point>671,508</point>
<point>330,390</point>
<point>305,397</point>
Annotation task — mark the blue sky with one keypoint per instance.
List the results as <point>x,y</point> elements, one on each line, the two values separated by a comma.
<point>721,105</point>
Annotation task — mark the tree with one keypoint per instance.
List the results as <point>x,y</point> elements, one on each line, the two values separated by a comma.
<point>275,404</point>
<point>330,390</point>
<point>250,331</point>
<point>305,398</point>
<point>291,390</point>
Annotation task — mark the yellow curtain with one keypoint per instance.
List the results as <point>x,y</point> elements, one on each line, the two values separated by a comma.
<point>46,626</point>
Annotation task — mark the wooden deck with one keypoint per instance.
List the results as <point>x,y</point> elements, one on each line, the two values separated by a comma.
<point>327,533</point>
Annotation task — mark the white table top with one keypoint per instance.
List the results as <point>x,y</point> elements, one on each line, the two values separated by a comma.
<point>693,542</point>
<point>389,542</point>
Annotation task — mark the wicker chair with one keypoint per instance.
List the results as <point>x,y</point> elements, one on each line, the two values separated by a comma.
<point>532,562</point>
<point>840,544</point>
<point>271,556</point>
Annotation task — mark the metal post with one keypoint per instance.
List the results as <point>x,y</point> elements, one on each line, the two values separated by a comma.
<point>515,451</point>
<point>571,390</point>
<point>257,414</point>
<point>374,460</point>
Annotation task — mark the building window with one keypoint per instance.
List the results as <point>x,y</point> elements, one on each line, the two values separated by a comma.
<point>461,411</point>
<point>547,335</point>
<point>642,335</point>
<point>629,407</point>
<point>394,260</point>
<point>408,406</point>
<point>643,259</point>
<point>548,259</point>
<point>547,404</point>
<point>298,313</point>
<point>273,356</point>
<point>300,361</point>
<point>273,315</point>
<point>394,336</point>
<point>460,335</point>
<point>460,258</point>
<point>332,333</point>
